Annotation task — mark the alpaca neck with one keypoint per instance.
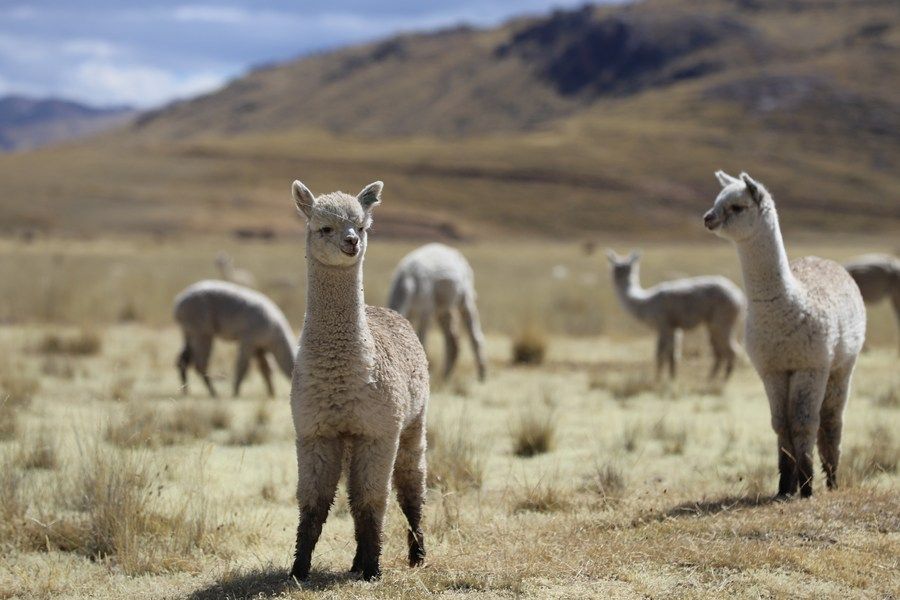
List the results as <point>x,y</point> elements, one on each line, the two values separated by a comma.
<point>632,296</point>
<point>764,262</point>
<point>335,306</point>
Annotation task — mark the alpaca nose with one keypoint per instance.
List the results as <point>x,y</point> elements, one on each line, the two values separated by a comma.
<point>709,220</point>
<point>352,240</point>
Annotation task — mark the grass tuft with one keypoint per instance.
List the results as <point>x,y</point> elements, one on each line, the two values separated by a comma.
<point>529,347</point>
<point>83,343</point>
<point>534,433</point>
<point>456,462</point>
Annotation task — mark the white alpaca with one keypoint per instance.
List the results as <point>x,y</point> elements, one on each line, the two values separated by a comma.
<point>806,324</point>
<point>878,278</point>
<point>210,309</point>
<point>360,387</point>
<point>229,272</point>
<point>437,280</point>
<point>681,304</point>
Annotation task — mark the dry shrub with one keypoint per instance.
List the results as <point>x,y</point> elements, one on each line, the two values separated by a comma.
<point>39,451</point>
<point>455,461</point>
<point>18,389</point>
<point>674,439</point>
<point>529,347</point>
<point>607,481</point>
<point>143,426</point>
<point>632,435</point>
<point>83,343</point>
<point>58,366</point>
<point>252,434</point>
<point>128,313</point>
<point>888,396</point>
<point>12,501</point>
<point>624,385</point>
<point>121,388</point>
<point>533,433</point>
<point>881,454</point>
<point>544,496</point>
<point>9,421</point>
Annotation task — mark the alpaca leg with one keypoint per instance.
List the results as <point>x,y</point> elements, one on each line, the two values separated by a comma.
<point>718,354</point>
<point>777,388</point>
<point>469,312</point>
<point>674,352</point>
<point>807,392</point>
<point>368,487</point>
<point>663,342</point>
<point>422,326</point>
<point>831,423</point>
<point>730,356</point>
<point>184,361</point>
<point>895,300</point>
<point>451,341</point>
<point>266,371</point>
<point>318,470</point>
<point>241,367</point>
<point>201,349</point>
<point>409,481</point>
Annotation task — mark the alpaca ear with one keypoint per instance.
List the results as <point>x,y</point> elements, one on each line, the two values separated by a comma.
<point>754,188</point>
<point>725,179</point>
<point>611,256</point>
<point>634,256</point>
<point>303,198</point>
<point>370,197</point>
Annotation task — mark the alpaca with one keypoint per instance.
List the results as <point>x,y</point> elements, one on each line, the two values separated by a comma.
<point>437,280</point>
<point>229,272</point>
<point>681,304</point>
<point>878,277</point>
<point>806,324</point>
<point>210,308</point>
<point>360,386</point>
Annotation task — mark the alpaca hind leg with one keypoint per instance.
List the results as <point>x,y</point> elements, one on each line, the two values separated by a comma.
<point>663,342</point>
<point>184,361</point>
<point>805,397</point>
<point>777,389</point>
<point>241,367</point>
<point>368,488</point>
<point>675,353</point>
<point>832,422</point>
<point>201,349</point>
<point>318,471</point>
<point>451,341</point>
<point>718,354</point>
<point>409,481</point>
<point>469,312</point>
<point>266,371</point>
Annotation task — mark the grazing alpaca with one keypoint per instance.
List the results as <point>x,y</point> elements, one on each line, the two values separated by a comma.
<point>806,324</point>
<point>360,387</point>
<point>229,272</point>
<point>210,309</point>
<point>878,277</point>
<point>437,280</point>
<point>681,304</point>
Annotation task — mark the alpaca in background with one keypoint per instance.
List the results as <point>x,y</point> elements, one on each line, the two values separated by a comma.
<point>229,272</point>
<point>806,324</point>
<point>673,306</point>
<point>437,280</point>
<point>878,278</point>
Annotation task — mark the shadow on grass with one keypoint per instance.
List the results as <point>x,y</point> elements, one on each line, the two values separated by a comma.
<point>267,583</point>
<point>713,507</point>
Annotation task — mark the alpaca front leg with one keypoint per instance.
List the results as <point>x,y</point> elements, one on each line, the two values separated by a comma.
<point>451,342</point>
<point>832,422</point>
<point>240,368</point>
<point>805,398</point>
<point>777,388</point>
<point>318,471</point>
<point>674,352</point>
<point>368,487</point>
<point>663,343</point>
<point>409,481</point>
<point>266,371</point>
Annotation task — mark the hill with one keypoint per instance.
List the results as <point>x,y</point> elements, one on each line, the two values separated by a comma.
<point>601,119</point>
<point>29,122</point>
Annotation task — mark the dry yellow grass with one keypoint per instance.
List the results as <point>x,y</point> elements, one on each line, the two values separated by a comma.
<point>647,491</point>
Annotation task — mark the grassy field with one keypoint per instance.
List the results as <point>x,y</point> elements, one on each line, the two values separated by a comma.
<point>577,477</point>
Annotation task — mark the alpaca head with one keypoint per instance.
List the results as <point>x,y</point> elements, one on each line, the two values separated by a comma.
<point>738,210</point>
<point>624,268</point>
<point>337,224</point>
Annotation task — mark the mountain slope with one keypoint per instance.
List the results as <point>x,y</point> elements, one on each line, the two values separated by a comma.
<point>29,123</point>
<point>606,119</point>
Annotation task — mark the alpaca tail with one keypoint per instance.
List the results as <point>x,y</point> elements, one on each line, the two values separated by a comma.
<point>400,297</point>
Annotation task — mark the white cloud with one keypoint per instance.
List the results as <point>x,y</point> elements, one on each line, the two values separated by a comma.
<point>137,85</point>
<point>210,14</point>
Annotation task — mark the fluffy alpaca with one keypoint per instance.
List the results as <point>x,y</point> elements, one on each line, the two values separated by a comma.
<point>437,280</point>
<point>229,272</point>
<point>209,309</point>
<point>806,324</point>
<point>878,277</point>
<point>360,386</point>
<point>681,304</point>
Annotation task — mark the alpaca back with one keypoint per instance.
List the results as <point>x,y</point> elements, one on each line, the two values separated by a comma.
<point>877,275</point>
<point>433,277</point>
<point>686,303</point>
<point>229,311</point>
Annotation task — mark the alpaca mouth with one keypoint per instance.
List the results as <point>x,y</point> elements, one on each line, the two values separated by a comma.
<point>352,251</point>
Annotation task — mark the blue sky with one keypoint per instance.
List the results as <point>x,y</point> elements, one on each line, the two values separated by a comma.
<point>146,53</point>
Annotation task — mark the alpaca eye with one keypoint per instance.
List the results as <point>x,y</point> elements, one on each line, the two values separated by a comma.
<point>737,209</point>
<point>326,230</point>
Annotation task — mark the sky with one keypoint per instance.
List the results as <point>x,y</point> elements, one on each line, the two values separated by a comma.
<point>146,53</point>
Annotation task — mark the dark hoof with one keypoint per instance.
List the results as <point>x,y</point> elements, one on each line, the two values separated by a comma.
<point>782,497</point>
<point>417,560</point>
<point>371,574</point>
<point>299,573</point>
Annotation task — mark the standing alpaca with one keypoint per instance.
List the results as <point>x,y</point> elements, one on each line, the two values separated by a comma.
<point>681,304</point>
<point>878,277</point>
<point>209,309</point>
<point>437,280</point>
<point>361,385</point>
<point>805,327</point>
<point>229,272</point>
